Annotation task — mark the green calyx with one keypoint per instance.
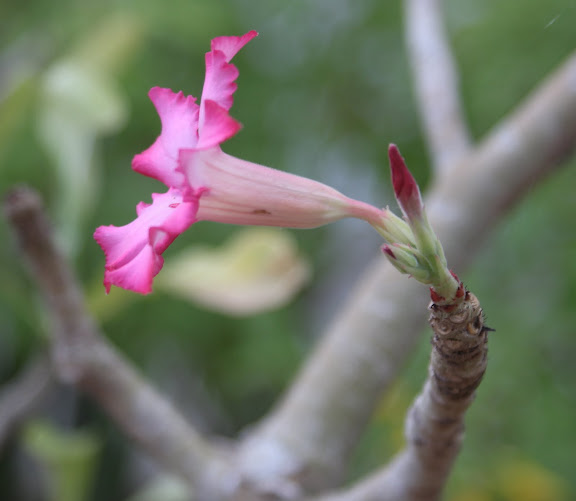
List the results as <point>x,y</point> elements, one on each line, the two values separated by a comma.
<point>414,249</point>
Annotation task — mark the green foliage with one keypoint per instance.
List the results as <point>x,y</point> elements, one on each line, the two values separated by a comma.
<point>66,459</point>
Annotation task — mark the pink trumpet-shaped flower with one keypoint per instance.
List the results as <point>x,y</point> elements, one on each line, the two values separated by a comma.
<point>207,184</point>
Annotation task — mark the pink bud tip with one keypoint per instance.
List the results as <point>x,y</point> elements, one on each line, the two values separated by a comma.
<point>405,186</point>
<point>388,250</point>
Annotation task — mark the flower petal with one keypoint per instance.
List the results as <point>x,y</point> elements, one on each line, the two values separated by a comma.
<point>219,84</point>
<point>179,117</point>
<point>231,45</point>
<point>134,251</point>
<point>218,126</point>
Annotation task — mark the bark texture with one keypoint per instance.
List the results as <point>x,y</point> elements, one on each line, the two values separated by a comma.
<point>435,422</point>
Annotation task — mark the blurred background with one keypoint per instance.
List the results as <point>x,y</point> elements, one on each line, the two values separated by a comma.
<point>322,91</point>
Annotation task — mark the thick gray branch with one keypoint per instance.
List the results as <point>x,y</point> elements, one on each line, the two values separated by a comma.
<point>313,429</point>
<point>435,423</point>
<point>435,82</point>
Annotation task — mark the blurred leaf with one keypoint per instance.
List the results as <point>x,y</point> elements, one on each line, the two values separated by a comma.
<point>68,458</point>
<point>79,102</point>
<point>521,478</point>
<point>258,269</point>
<point>75,91</point>
<point>76,107</point>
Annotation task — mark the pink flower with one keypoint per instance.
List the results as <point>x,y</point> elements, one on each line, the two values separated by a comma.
<point>207,184</point>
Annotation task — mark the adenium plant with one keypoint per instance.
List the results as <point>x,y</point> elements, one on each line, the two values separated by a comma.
<point>204,183</point>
